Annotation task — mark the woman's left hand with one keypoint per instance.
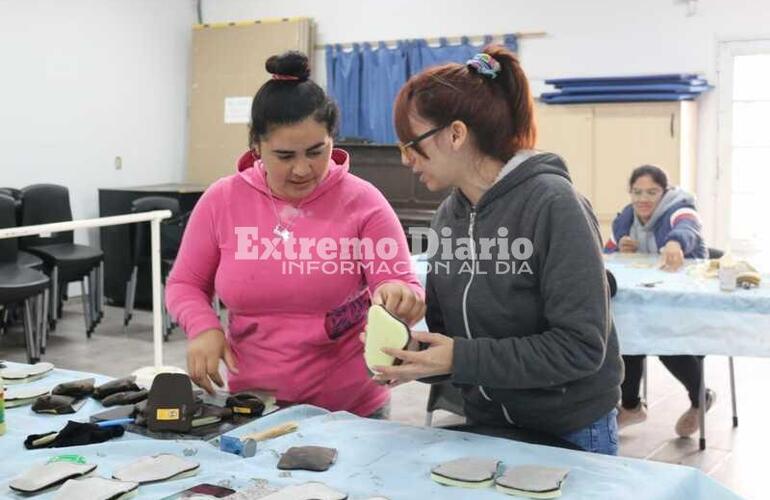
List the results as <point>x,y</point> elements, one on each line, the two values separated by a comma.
<point>400,300</point>
<point>672,256</point>
<point>437,359</point>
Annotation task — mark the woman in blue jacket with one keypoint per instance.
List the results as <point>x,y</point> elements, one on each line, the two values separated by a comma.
<point>660,219</point>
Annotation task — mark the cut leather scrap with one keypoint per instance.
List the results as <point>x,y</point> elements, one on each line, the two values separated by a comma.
<point>532,481</point>
<point>76,389</point>
<point>383,330</point>
<point>204,491</point>
<point>44,476</point>
<point>140,413</point>
<point>125,384</point>
<point>466,472</point>
<point>57,405</point>
<point>311,458</point>
<point>26,373</point>
<point>96,488</point>
<point>151,469</point>
<point>307,491</point>
<point>124,398</point>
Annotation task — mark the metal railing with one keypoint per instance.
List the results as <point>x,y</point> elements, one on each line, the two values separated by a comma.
<point>153,218</point>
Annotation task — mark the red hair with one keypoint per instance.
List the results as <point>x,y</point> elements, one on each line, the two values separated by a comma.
<point>498,112</point>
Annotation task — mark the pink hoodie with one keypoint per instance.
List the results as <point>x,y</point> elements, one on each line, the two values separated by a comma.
<point>294,312</point>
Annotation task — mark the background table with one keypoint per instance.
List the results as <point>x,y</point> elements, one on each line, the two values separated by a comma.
<point>684,313</point>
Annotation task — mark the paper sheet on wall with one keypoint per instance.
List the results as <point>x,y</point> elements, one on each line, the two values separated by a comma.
<point>237,109</point>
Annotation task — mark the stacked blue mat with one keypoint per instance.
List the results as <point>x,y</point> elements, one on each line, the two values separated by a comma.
<point>673,87</point>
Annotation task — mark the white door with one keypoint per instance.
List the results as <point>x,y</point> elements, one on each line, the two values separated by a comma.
<point>744,147</point>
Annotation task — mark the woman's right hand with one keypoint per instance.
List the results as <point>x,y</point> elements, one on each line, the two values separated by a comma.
<point>627,245</point>
<point>203,355</point>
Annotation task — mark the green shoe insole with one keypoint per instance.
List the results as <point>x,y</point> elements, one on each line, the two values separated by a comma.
<point>383,330</point>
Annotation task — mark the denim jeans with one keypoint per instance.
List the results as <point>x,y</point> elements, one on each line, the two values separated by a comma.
<point>599,437</point>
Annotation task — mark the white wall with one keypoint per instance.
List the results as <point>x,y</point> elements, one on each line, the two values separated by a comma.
<point>585,38</point>
<point>84,81</point>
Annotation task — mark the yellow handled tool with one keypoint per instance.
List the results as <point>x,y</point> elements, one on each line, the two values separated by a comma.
<point>273,432</point>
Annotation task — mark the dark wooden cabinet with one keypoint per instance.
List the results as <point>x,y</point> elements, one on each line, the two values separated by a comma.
<point>115,239</point>
<point>381,165</point>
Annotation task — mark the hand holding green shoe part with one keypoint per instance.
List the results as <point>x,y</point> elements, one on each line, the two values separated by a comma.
<point>383,330</point>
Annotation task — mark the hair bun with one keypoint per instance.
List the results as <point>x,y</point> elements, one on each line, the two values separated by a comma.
<point>293,64</point>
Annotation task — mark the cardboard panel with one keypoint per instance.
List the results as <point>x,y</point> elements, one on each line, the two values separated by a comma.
<point>229,63</point>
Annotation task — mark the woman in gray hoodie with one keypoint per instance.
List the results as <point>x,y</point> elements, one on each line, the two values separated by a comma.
<point>517,296</point>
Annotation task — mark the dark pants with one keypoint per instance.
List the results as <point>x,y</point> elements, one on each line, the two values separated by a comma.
<point>686,369</point>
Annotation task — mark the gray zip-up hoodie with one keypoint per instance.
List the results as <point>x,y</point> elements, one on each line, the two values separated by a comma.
<point>535,344</point>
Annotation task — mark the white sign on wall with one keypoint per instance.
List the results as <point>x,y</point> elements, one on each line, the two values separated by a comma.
<point>237,109</point>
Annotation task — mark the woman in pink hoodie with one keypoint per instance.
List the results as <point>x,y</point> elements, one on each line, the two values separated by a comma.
<point>296,247</point>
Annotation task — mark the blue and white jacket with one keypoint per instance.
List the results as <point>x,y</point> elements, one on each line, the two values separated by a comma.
<point>675,218</point>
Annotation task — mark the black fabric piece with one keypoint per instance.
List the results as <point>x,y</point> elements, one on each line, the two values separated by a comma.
<point>125,398</point>
<point>76,434</point>
<point>312,458</point>
<point>115,386</point>
<point>140,413</point>
<point>77,389</point>
<point>57,404</point>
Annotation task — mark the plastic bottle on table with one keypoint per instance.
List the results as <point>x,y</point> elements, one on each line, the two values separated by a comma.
<point>728,273</point>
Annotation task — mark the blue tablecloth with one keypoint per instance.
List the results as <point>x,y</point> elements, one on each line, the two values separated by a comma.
<point>685,313</point>
<point>375,458</point>
<point>682,313</point>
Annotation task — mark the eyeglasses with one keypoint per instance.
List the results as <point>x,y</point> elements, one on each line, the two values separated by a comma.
<point>650,193</point>
<point>411,144</point>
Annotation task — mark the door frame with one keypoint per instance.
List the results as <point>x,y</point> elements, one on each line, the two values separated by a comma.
<point>727,51</point>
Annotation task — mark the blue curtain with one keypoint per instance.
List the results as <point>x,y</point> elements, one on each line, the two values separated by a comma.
<point>365,80</point>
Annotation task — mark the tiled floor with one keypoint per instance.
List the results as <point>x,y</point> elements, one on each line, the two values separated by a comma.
<point>736,457</point>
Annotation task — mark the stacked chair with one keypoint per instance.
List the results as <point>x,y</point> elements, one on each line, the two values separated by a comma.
<point>26,259</point>
<point>22,285</point>
<point>140,254</point>
<point>63,260</point>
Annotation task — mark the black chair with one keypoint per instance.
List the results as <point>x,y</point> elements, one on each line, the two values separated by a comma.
<point>64,260</point>
<point>26,259</point>
<point>20,284</point>
<point>16,194</point>
<point>139,236</point>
